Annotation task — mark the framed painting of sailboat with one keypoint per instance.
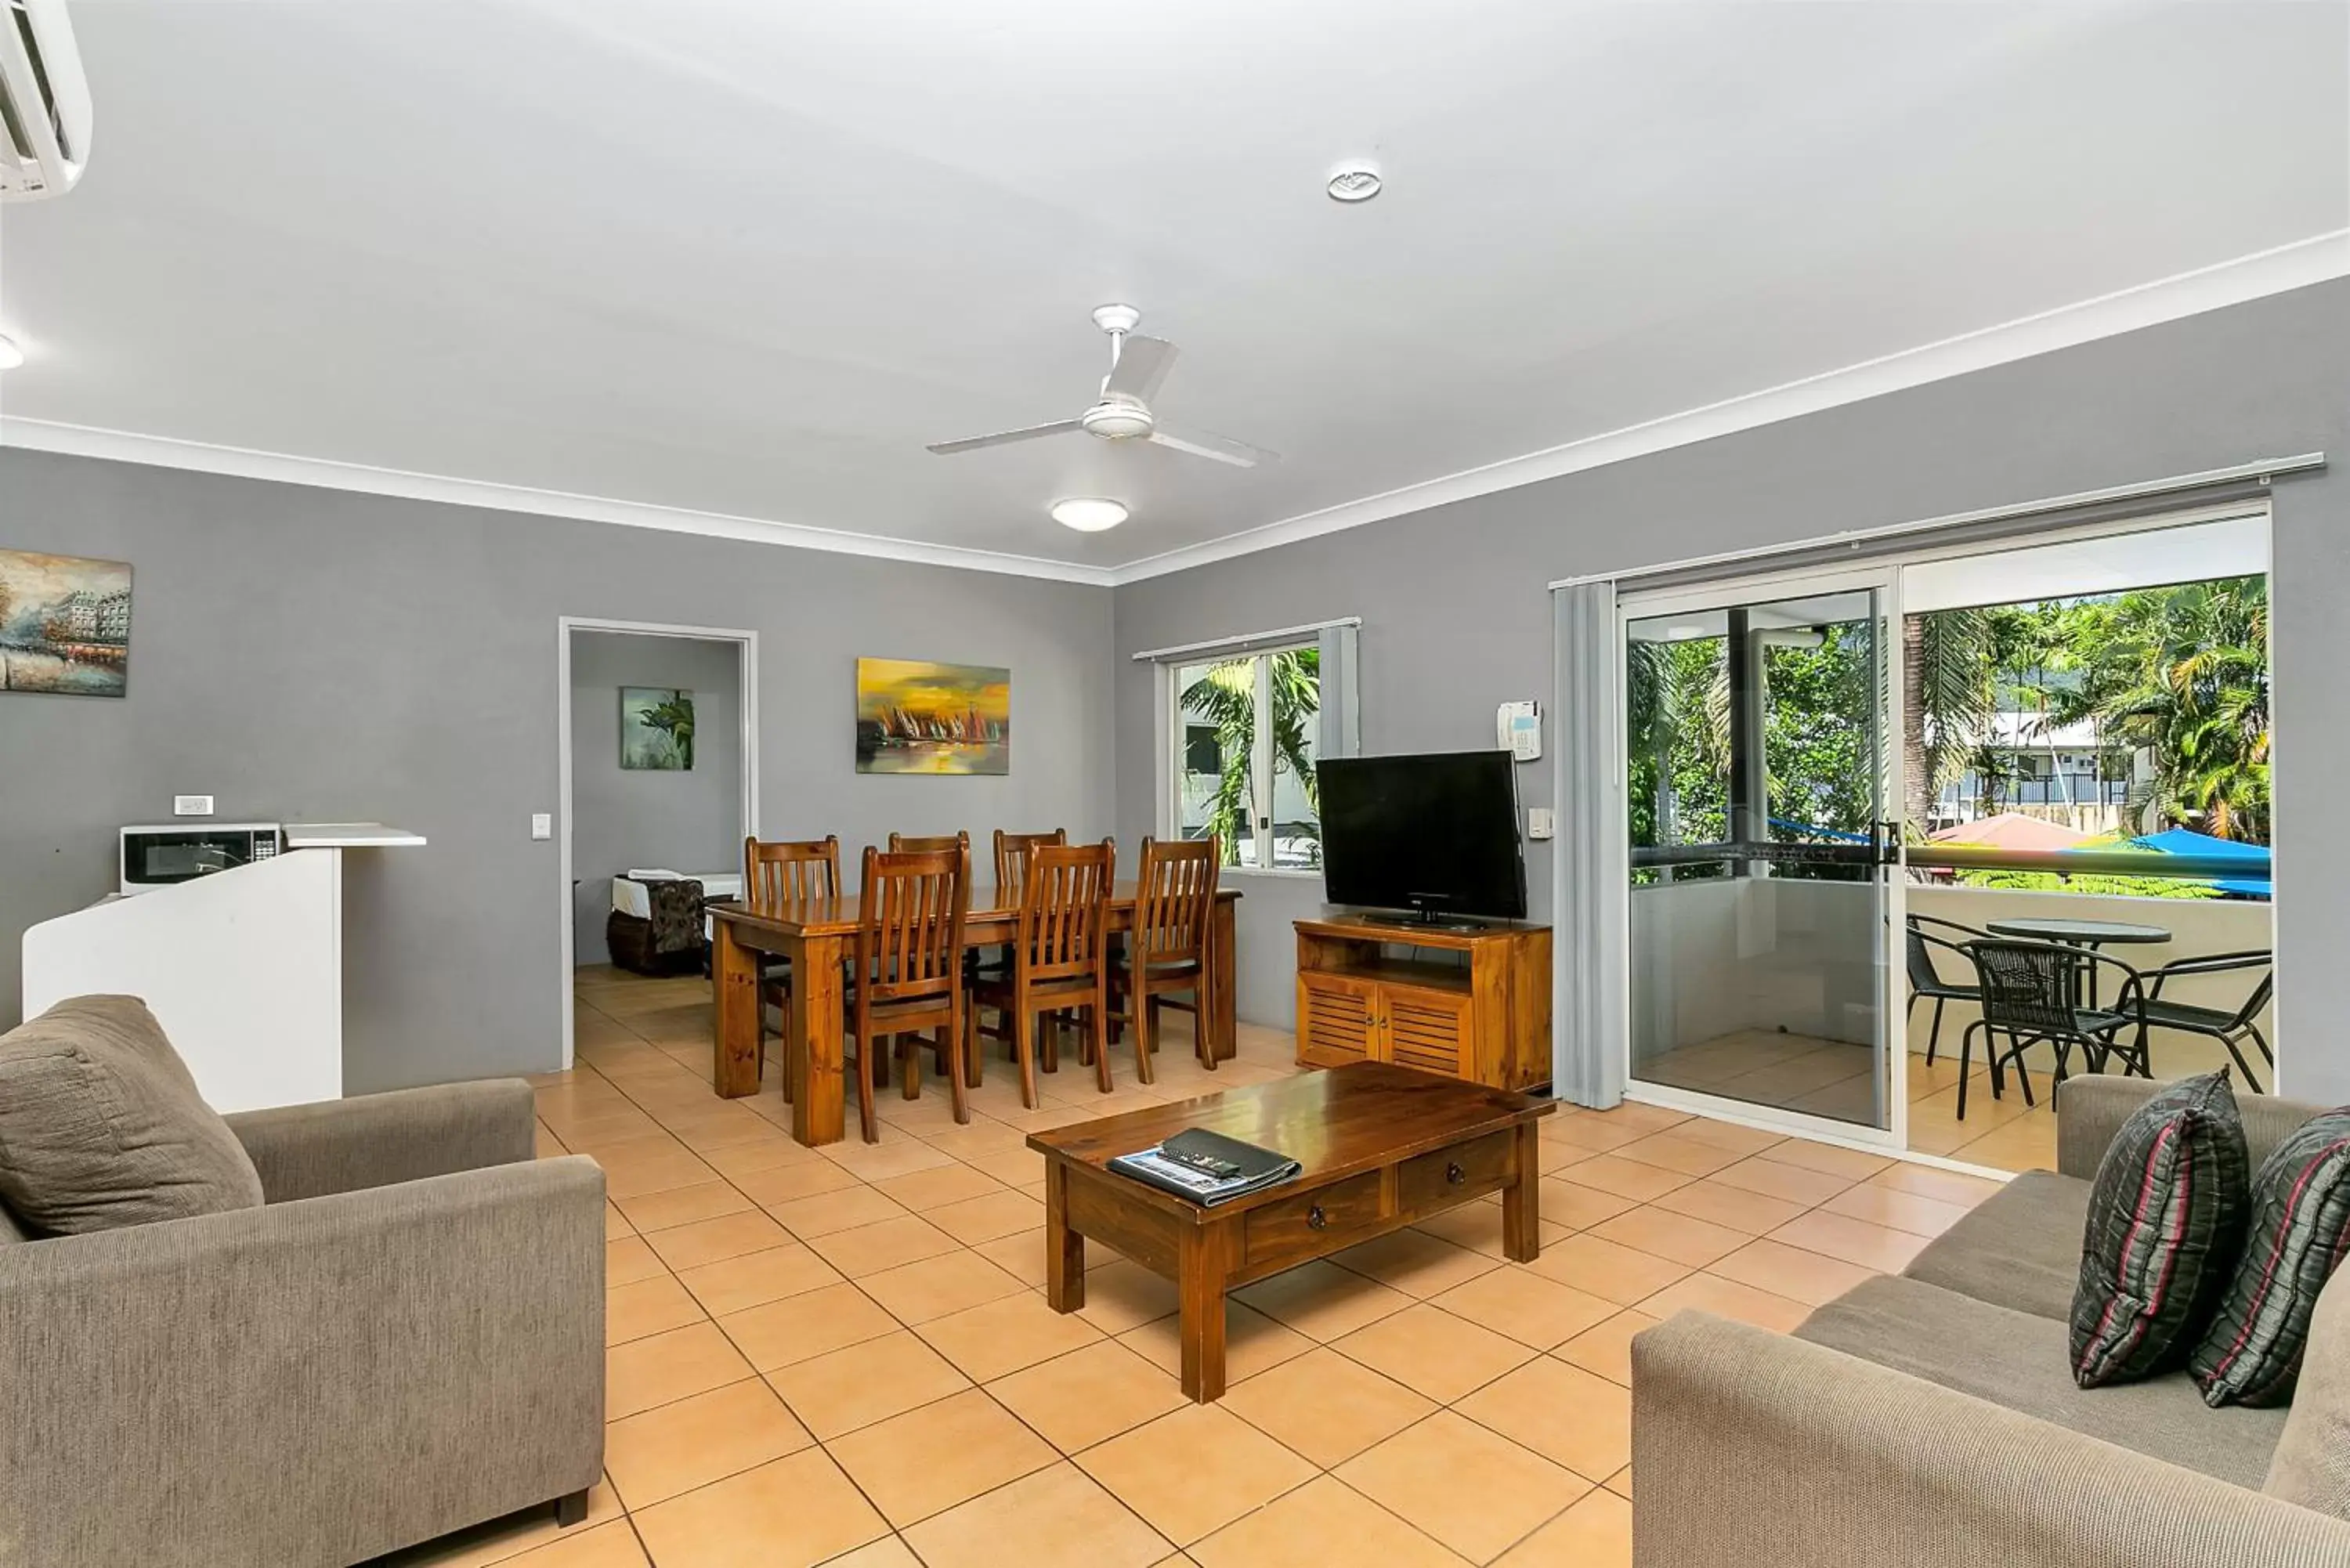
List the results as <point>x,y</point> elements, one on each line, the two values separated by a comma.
<point>916,717</point>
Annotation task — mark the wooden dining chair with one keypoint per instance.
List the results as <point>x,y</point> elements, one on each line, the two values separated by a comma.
<point>909,970</point>
<point>1012,861</point>
<point>785,872</point>
<point>1167,948</point>
<point>937,844</point>
<point>1060,960</point>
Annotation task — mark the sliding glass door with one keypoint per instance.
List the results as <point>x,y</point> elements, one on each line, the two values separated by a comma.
<point>1757,733</point>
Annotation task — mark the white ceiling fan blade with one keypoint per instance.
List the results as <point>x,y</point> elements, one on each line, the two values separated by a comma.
<point>1141,369</point>
<point>1004,438</point>
<point>1239,453</point>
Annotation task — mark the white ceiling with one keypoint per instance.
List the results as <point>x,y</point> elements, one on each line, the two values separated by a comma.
<point>746,257</point>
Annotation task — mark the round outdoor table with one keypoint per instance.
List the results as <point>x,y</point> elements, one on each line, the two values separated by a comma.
<point>2077,934</point>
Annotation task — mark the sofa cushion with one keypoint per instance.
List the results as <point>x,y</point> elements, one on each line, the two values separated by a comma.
<point>2017,1360</point>
<point>2167,1217</point>
<point>2301,1223</point>
<point>2020,1248</point>
<point>2312,1462</point>
<point>100,1125</point>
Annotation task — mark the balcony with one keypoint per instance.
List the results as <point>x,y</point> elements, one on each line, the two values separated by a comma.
<point>1760,981</point>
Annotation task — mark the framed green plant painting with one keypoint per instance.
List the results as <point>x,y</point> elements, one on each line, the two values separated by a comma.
<point>656,728</point>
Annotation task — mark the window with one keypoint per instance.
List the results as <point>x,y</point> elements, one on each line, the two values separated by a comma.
<point>1248,730</point>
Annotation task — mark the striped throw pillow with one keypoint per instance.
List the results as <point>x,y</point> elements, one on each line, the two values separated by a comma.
<point>2299,1228</point>
<point>2167,1217</point>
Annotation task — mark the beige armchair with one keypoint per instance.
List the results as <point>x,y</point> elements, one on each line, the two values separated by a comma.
<point>406,1339</point>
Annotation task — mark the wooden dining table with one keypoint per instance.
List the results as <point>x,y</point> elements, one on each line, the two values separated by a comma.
<point>819,935</point>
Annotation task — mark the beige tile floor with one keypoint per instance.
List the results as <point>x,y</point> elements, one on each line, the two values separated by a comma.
<point>844,1357</point>
<point>1832,1078</point>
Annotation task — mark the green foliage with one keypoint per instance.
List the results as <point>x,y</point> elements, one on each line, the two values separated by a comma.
<point>1226,694</point>
<point>1678,700</point>
<point>674,717</point>
<point>2182,672</point>
<point>2118,887</point>
<point>1818,732</point>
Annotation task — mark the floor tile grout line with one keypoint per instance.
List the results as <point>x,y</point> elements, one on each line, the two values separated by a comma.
<point>917,1134</point>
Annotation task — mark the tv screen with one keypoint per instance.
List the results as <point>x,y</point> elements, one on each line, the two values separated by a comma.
<point>1436,832</point>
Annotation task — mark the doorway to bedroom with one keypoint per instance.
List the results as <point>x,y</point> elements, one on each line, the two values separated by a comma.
<point>659,753</point>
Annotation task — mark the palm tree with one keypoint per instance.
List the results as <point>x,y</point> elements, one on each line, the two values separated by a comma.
<point>2181,673</point>
<point>1225,694</point>
<point>1677,716</point>
<point>1948,683</point>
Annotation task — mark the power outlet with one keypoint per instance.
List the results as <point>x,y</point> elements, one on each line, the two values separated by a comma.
<point>192,805</point>
<point>542,825</point>
<point>1541,823</point>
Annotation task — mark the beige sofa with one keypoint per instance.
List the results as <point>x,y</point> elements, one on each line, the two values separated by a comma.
<point>407,1338</point>
<point>1931,1419</point>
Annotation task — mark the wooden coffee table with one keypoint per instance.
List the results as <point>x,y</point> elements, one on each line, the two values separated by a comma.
<point>1382,1146</point>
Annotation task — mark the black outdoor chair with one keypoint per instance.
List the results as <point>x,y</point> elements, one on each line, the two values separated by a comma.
<point>1927,980</point>
<point>2230,1029</point>
<point>2032,993</point>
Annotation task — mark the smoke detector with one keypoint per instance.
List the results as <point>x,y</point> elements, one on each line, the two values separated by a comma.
<point>1352,182</point>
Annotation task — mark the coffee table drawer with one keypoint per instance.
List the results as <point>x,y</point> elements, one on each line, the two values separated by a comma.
<point>1305,1226</point>
<point>1464,1170</point>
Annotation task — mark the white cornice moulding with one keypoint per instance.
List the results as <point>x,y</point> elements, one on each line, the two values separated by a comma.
<point>166,451</point>
<point>2277,271</point>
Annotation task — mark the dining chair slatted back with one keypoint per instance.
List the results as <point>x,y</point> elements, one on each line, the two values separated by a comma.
<point>1060,964</point>
<point>1173,898</point>
<point>910,938</point>
<point>791,872</point>
<point>1065,911</point>
<point>909,972</point>
<point>780,874</point>
<point>1012,861</point>
<point>935,843</point>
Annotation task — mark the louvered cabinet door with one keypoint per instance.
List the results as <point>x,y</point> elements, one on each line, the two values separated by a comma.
<point>1426,1029</point>
<point>1335,1020</point>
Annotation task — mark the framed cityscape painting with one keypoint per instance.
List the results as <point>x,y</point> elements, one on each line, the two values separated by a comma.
<point>657,729</point>
<point>916,717</point>
<point>64,625</point>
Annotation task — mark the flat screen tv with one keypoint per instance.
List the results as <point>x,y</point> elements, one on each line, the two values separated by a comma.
<point>1436,834</point>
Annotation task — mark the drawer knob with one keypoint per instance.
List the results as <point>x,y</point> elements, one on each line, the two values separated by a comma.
<point>1454,1175</point>
<point>1315,1218</point>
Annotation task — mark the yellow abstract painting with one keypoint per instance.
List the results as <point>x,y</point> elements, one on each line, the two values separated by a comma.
<point>916,717</point>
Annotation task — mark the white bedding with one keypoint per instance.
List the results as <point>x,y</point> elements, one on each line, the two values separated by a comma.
<point>629,897</point>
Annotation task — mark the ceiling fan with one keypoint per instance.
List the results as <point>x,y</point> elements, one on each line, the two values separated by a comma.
<point>1136,367</point>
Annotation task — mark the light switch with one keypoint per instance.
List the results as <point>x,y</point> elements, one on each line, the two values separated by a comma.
<point>1540,821</point>
<point>192,805</point>
<point>542,825</point>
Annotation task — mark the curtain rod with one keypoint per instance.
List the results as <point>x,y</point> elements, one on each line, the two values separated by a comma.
<point>1284,634</point>
<point>2262,471</point>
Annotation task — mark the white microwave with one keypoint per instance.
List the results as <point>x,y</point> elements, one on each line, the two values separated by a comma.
<point>159,857</point>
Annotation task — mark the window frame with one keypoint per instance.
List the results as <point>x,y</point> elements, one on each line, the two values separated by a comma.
<point>1175,753</point>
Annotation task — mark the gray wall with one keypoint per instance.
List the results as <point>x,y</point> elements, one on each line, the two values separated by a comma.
<point>315,654</point>
<point>1456,619</point>
<point>621,817</point>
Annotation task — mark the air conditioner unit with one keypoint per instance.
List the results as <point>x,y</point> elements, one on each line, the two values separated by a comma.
<point>44,100</point>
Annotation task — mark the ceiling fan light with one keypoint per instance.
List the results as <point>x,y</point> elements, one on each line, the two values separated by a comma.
<point>1089,514</point>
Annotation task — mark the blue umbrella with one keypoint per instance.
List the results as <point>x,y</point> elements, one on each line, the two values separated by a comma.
<point>2186,841</point>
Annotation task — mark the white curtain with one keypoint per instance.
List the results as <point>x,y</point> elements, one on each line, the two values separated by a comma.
<point>1587,860</point>
<point>1342,708</point>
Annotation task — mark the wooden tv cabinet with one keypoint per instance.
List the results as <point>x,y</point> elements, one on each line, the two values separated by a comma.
<point>1474,1004</point>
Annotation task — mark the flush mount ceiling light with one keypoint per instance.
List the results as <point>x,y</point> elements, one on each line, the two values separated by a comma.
<point>1353,182</point>
<point>10,355</point>
<point>1089,514</point>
